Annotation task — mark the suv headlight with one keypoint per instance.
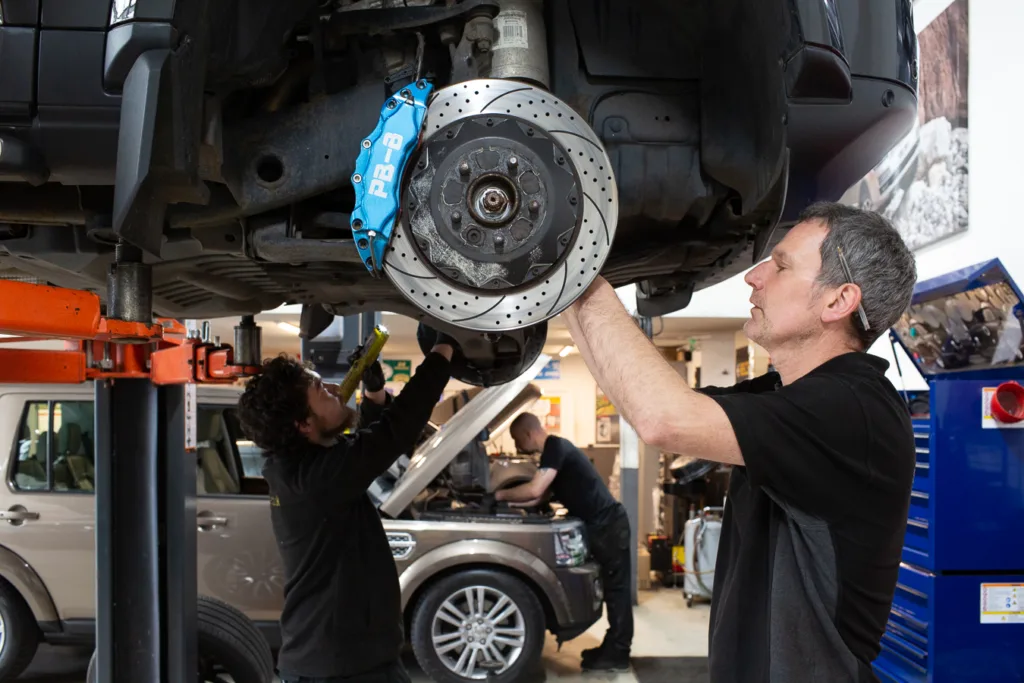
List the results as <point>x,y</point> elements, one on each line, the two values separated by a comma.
<point>570,546</point>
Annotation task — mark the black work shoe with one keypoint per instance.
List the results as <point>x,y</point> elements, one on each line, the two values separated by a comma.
<point>612,662</point>
<point>591,653</point>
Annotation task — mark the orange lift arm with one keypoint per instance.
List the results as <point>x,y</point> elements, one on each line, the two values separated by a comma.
<point>98,348</point>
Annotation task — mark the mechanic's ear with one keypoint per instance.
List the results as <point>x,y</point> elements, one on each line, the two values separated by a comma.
<point>842,303</point>
<point>305,427</point>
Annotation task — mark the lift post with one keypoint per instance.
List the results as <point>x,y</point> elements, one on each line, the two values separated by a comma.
<point>143,372</point>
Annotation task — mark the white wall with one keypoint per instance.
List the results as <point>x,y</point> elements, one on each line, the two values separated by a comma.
<point>718,360</point>
<point>996,173</point>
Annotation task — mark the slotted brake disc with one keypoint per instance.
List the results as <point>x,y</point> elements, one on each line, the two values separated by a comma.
<point>509,208</point>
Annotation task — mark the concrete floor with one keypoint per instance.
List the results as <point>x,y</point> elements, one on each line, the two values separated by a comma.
<point>664,627</point>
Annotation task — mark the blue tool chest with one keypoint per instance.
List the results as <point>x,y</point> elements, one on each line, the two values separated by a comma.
<point>958,610</point>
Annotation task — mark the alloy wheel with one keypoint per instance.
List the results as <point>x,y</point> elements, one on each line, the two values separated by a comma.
<point>478,629</point>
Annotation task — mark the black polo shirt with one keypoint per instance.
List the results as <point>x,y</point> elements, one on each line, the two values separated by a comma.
<point>342,612</point>
<point>577,486</point>
<point>813,527</point>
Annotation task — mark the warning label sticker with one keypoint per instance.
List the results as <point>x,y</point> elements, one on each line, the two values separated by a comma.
<point>988,421</point>
<point>511,28</point>
<point>1001,603</point>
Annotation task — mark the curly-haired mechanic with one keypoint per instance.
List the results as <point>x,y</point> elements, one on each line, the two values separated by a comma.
<point>342,618</point>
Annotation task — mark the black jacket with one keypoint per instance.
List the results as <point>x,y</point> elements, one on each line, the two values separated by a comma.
<point>342,604</point>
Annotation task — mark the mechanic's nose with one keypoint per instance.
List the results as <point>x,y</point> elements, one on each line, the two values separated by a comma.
<point>754,276</point>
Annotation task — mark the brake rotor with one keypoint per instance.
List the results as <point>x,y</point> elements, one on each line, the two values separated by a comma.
<point>509,208</point>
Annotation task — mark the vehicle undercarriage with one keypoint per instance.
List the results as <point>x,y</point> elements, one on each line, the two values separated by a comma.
<point>199,159</point>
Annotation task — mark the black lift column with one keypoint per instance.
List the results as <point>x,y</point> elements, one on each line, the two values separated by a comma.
<point>145,535</point>
<point>145,511</point>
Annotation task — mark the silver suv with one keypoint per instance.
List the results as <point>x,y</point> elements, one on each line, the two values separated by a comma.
<point>477,587</point>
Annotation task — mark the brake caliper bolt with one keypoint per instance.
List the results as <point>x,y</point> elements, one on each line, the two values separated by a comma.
<point>464,168</point>
<point>366,144</point>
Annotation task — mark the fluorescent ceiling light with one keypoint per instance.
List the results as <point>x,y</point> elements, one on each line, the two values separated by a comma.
<point>289,328</point>
<point>566,350</point>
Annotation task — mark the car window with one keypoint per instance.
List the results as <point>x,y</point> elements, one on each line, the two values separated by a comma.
<point>249,454</point>
<point>55,448</point>
<point>216,470</point>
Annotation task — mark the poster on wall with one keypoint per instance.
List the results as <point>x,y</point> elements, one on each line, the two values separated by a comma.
<point>549,410</point>
<point>397,370</point>
<point>553,370</point>
<point>921,184</point>
<point>607,420</point>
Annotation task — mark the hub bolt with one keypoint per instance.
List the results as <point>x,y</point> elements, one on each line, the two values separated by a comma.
<point>456,217</point>
<point>464,168</point>
<point>494,201</point>
<point>499,240</point>
<point>534,207</point>
<point>474,236</point>
<point>513,163</point>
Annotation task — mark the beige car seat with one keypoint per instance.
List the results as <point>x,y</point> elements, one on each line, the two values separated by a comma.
<point>72,467</point>
<point>212,476</point>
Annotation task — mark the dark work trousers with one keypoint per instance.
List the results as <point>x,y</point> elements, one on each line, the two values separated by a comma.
<point>609,543</point>
<point>388,673</point>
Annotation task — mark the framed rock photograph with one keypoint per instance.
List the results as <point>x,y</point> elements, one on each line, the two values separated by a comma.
<point>922,183</point>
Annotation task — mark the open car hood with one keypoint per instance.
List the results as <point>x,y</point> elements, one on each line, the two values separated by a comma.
<point>492,408</point>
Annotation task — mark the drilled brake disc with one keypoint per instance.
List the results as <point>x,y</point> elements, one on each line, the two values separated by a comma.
<point>509,208</point>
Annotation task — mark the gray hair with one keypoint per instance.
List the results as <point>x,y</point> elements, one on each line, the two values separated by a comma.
<point>880,263</point>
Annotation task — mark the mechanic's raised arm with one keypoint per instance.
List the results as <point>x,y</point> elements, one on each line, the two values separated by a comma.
<point>631,372</point>
<point>364,455</point>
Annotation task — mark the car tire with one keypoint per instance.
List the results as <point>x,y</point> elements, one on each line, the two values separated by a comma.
<point>497,586</point>
<point>229,638</point>
<point>232,640</point>
<point>19,633</point>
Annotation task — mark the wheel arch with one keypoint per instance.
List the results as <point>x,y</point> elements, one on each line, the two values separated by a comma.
<point>20,575</point>
<point>511,560</point>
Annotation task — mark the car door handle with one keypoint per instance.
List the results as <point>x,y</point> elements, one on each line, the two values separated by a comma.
<point>208,520</point>
<point>18,515</point>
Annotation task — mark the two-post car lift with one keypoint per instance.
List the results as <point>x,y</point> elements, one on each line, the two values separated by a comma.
<point>145,372</point>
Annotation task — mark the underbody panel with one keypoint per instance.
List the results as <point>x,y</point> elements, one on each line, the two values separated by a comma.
<point>220,139</point>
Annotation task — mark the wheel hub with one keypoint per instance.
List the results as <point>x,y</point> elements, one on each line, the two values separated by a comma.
<point>493,200</point>
<point>509,208</point>
<point>493,203</point>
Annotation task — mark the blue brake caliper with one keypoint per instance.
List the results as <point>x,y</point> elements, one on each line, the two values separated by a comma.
<point>379,168</point>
